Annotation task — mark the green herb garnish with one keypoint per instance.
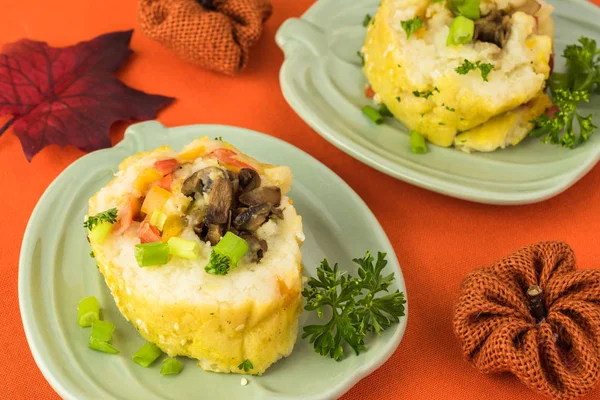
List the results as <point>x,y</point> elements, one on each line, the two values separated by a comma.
<point>226,254</point>
<point>568,91</point>
<point>246,366</point>
<point>411,26</point>
<point>562,122</point>
<point>109,216</point>
<point>424,94</point>
<point>356,309</point>
<point>362,58</point>
<point>450,109</point>
<point>468,66</point>
<point>219,138</point>
<point>366,20</point>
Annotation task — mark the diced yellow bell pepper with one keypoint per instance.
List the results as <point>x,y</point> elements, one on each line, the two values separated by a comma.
<point>145,179</point>
<point>158,219</point>
<point>173,226</point>
<point>155,199</point>
<point>191,155</point>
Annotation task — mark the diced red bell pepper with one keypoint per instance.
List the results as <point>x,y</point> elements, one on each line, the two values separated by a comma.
<point>149,233</point>
<point>226,157</point>
<point>369,92</point>
<point>166,166</point>
<point>126,215</point>
<point>166,182</point>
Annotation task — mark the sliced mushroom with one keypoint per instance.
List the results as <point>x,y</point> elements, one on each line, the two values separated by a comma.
<point>278,212</point>
<point>220,200</point>
<point>201,181</point>
<point>494,28</point>
<point>249,179</point>
<point>251,218</point>
<point>214,234</point>
<point>235,180</point>
<point>266,194</point>
<point>256,247</point>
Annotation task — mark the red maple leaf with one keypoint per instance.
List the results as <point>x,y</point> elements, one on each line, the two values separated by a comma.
<point>69,95</point>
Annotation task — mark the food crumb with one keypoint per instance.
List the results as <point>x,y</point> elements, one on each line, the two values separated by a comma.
<point>244,382</point>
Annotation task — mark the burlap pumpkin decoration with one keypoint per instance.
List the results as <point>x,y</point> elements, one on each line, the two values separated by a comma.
<point>534,315</point>
<point>213,34</point>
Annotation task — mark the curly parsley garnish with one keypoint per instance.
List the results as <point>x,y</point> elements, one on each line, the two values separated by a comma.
<point>246,366</point>
<point>468,66</point>
<point>568,91</point>
<point>562,122</point>
<point>105,216</point>
<point>411,26</point>
<point>356,308</point>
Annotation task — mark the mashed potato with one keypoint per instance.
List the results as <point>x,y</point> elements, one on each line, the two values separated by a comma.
<point>222,320</point>
<point>416,77</point>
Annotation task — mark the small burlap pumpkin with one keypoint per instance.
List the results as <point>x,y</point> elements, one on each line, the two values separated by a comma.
<point>213,34</point>
<point>553,346</point>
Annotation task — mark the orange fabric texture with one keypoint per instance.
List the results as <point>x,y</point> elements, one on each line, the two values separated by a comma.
<point>533,314</point>
<point>214,34</point>
<point>438,239</point>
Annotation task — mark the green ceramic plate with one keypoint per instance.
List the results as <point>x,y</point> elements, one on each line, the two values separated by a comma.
<point>322,80</point>
<point>55,272</point>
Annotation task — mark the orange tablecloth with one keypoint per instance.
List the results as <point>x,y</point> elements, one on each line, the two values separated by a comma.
<point>437,239</point>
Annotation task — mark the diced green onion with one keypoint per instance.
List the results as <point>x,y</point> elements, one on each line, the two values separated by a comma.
<point>384,111</point>
<point>88,311</point>
<point>373,115</point>
<point>149,254</point>
<point>226,254</point>
<point>104,347</point>
<point>461,31</point>
<point>184,248</point>
<point>417,143</point>
<point>171,366</point>
<point>146,355</point>
<point>158,219</point>
<point>100,232</point>
<point>102,331</point>
<point>467,8</point>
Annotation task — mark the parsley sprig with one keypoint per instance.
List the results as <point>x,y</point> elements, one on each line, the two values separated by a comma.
<point>246,365</point>
<point>356,309</point>
<point>411,26</point>
<point>569,90</point>
<point>105,216</point>
<point>467,66</point>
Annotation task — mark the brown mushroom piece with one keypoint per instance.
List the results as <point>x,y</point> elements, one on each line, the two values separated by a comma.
<point>201,181</point>
<point>235,180</point>
<point>267,194</point>
<point>220,200</point>
<point>256,247</point>
<point>249,179</point>
<point>493,28</point>
<point>251,218</point>
<point>278,212</point>
<point>214,234</point>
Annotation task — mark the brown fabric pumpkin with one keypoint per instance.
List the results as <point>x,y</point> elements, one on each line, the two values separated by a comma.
<point>557,354</point>
<point>216,34</point>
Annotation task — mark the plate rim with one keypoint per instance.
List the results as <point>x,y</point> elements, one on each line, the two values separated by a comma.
<point>131,135</point>
<point>403,173</point>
